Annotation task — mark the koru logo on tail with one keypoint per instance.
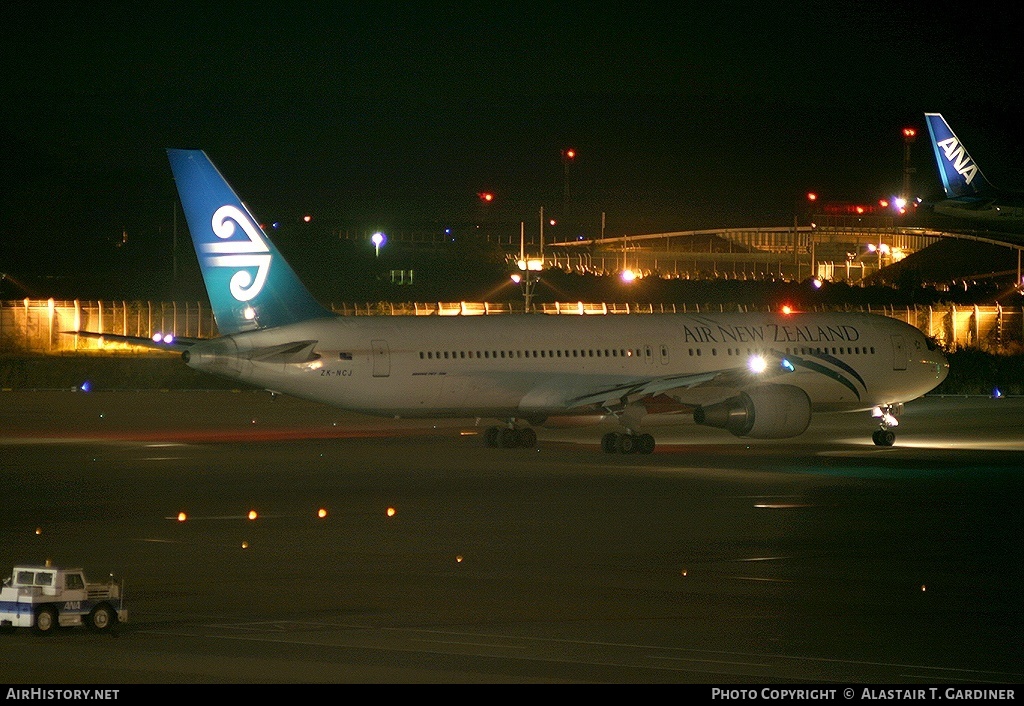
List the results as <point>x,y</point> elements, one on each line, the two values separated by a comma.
<point>248,254</point>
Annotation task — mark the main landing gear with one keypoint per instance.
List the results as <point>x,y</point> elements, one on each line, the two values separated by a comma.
<point>509,437</point>
<point>886,416</point>
<point>627,443</point>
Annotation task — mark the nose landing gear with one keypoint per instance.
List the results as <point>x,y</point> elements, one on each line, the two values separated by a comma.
<point>886,416</point>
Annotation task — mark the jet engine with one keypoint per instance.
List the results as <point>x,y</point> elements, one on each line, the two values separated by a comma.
<point>762,412</point>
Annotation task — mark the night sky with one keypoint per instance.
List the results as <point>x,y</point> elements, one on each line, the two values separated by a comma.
<point>396,115</point>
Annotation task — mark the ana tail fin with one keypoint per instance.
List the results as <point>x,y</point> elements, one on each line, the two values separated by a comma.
<point>960,174</point>
<point>249,283</point>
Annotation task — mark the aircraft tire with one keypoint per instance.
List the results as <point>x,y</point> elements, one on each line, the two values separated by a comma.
<point>883,437</point>
<point>527,438</point>
<point>608,442</point>
<point>508,438</point>
<point>626,444</point>
<point>645,444</point>
<point>491,437</point>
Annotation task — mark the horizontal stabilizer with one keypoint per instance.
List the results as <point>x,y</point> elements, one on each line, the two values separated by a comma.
<point>296,352</point>
<point>157,342</point>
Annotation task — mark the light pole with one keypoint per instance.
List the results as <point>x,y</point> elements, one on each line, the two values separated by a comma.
<point>568,156</point>
<point>909,134</point>
<point>526,280</point>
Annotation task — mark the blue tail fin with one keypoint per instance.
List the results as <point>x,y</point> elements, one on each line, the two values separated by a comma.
<point>249,283</point>
<point>960,174</point>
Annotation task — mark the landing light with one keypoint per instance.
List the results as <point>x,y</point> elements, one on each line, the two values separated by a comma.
<point>757,364</point>
<point>887,418</point>
<point>628,275</point>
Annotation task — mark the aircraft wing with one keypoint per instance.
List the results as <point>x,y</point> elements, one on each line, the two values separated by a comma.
<point>618,395</point>
<point>723,382</point>
<point>176,344</point>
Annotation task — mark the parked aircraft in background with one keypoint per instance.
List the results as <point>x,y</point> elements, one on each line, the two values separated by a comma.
<point>757,375</point>
<point>968,193</point>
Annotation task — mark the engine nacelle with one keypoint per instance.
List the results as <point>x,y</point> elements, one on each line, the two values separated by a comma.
<point>763,412</point>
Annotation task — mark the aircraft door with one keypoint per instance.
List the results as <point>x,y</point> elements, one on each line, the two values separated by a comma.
<point>381,358</point>
<point>899,353</point>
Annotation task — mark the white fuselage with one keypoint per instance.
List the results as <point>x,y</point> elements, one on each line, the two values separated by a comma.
<point>981,209</point>
<point>536,366</point>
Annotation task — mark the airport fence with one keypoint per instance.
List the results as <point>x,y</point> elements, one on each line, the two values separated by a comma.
<point>48,326</point>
